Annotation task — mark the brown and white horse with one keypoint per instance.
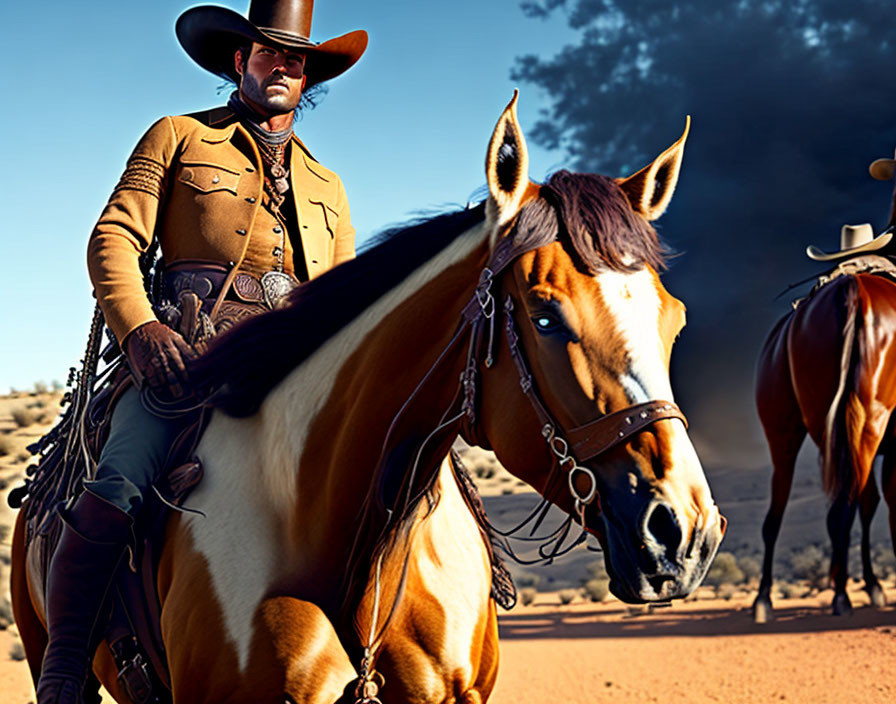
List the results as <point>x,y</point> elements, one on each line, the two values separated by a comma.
<point>827,368</point>
<point>331,529</point>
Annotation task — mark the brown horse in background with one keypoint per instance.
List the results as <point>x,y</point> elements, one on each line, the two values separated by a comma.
<point>829,368</point>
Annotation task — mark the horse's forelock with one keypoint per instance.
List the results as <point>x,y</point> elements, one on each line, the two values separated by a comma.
<point>599,222</point>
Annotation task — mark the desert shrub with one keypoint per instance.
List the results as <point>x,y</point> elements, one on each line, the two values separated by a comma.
<point>883,559</point>
<point>810,564</point>
<point>507,490</point>
<point>726,591</point>
<point>4,533</point>
<point>6,619</point>
<point>56,386</point>
<point>597,589</point>
<point>7,445</point>
<point>598,570</point>
<point>527,595</point>
<point>23,417</point>
<point>45,417</point>
<point>724,570</point>
<point>23,456</point>
<point>566,596</point>
<point>484,471</point>
<point>17,652</point>
<point>786,590</point>
<point>750,566</point>
<point>527,579</point>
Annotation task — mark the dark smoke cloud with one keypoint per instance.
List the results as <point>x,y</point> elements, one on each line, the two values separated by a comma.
<point>790,102</point>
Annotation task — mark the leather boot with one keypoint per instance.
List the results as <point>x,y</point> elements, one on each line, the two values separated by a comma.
<point>95,535</point>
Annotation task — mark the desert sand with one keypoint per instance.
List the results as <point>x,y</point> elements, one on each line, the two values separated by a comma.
<point>705,649</point>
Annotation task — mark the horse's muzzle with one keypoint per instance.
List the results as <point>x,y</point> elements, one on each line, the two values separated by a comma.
<point>659,559</point>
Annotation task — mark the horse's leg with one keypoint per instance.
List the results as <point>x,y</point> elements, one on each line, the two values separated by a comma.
<point>784,447</point>
<point>868,502</point>
<point>488,661</point>
<point>31,628</point>
<point>888,485</point>
<point>295,657</point>
<point>840,518</point>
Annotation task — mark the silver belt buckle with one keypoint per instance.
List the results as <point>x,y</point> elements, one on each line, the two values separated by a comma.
<point>276,286</point>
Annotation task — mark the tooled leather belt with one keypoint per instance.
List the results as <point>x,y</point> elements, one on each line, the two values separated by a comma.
<point>206,280</point>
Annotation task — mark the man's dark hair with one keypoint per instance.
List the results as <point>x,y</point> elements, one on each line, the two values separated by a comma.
<point>311,97</point>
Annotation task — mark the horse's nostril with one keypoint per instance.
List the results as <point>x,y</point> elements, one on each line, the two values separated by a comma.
<point>663,527</point>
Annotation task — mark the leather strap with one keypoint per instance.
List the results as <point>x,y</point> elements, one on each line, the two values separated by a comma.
<point>594,438</point>
<point>585,442</point>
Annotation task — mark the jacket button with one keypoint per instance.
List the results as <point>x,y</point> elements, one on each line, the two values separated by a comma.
<point>250,199</point>
<point>241,231</point>
<point>278,230</point>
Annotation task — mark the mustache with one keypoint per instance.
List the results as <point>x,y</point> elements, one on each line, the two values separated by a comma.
<point>276,79</point>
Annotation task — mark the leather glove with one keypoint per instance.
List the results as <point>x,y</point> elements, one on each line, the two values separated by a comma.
<point>158,355</point>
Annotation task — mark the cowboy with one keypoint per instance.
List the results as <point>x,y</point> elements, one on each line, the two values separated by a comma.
<point>242,213</point>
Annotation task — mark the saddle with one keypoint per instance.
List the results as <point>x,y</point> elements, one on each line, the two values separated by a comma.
<point>199,301</point>
<point>875,264</point>
<point>133,628</point>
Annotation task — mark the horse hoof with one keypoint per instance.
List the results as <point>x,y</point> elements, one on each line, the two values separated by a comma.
<point>876,594</point>
<point>842,605</point>
<point>762,611</point>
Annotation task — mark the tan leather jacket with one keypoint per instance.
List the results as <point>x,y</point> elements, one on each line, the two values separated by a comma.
<point>191,185</point>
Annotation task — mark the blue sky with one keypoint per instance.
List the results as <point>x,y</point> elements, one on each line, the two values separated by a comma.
<point>406,129</point>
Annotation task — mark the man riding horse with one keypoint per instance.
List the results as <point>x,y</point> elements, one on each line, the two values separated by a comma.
<point>242,213</point>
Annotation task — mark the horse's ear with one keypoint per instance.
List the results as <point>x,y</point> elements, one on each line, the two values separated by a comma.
<point>507,165</point>
<point>650,189</point>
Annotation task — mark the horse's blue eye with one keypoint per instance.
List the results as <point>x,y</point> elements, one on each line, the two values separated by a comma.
<point>545,323</point>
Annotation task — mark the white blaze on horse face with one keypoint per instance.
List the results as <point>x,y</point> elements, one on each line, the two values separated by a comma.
<point>248,491</point>
<point>635,306</point>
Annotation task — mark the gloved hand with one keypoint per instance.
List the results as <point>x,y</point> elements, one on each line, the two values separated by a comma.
<point>157,355</point>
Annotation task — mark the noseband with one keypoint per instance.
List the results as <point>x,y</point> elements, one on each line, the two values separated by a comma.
<point>569,447</point>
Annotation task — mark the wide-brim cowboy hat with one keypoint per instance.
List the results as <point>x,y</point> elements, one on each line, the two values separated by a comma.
<point>211,35</point>
<point>854,239</point>
<point>882,169</point>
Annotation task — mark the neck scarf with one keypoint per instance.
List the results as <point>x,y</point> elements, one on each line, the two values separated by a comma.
<point>271,146</point>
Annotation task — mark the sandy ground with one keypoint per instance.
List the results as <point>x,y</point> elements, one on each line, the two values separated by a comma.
<point>696,652</point>
<point>703,650</point>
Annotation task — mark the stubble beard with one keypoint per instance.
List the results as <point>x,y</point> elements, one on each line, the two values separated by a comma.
<point>277,104</point>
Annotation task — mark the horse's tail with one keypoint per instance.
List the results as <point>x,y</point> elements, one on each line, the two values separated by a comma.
<point>847,415</point>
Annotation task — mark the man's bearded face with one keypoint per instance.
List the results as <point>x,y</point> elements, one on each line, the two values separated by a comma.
<point>273,79</point>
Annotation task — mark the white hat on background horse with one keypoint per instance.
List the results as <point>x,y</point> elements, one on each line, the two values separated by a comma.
<point>854,240</point>
<point>883,169</point>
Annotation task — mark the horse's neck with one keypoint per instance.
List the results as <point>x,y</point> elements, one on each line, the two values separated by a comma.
<point>329,417</point>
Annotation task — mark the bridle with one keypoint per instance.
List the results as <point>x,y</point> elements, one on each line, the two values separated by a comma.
<point>569,448</point>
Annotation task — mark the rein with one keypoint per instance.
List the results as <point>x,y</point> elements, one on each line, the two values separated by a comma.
<point>569,448</point>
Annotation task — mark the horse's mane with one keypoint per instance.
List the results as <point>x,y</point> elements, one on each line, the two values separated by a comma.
<point>244,364</point>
